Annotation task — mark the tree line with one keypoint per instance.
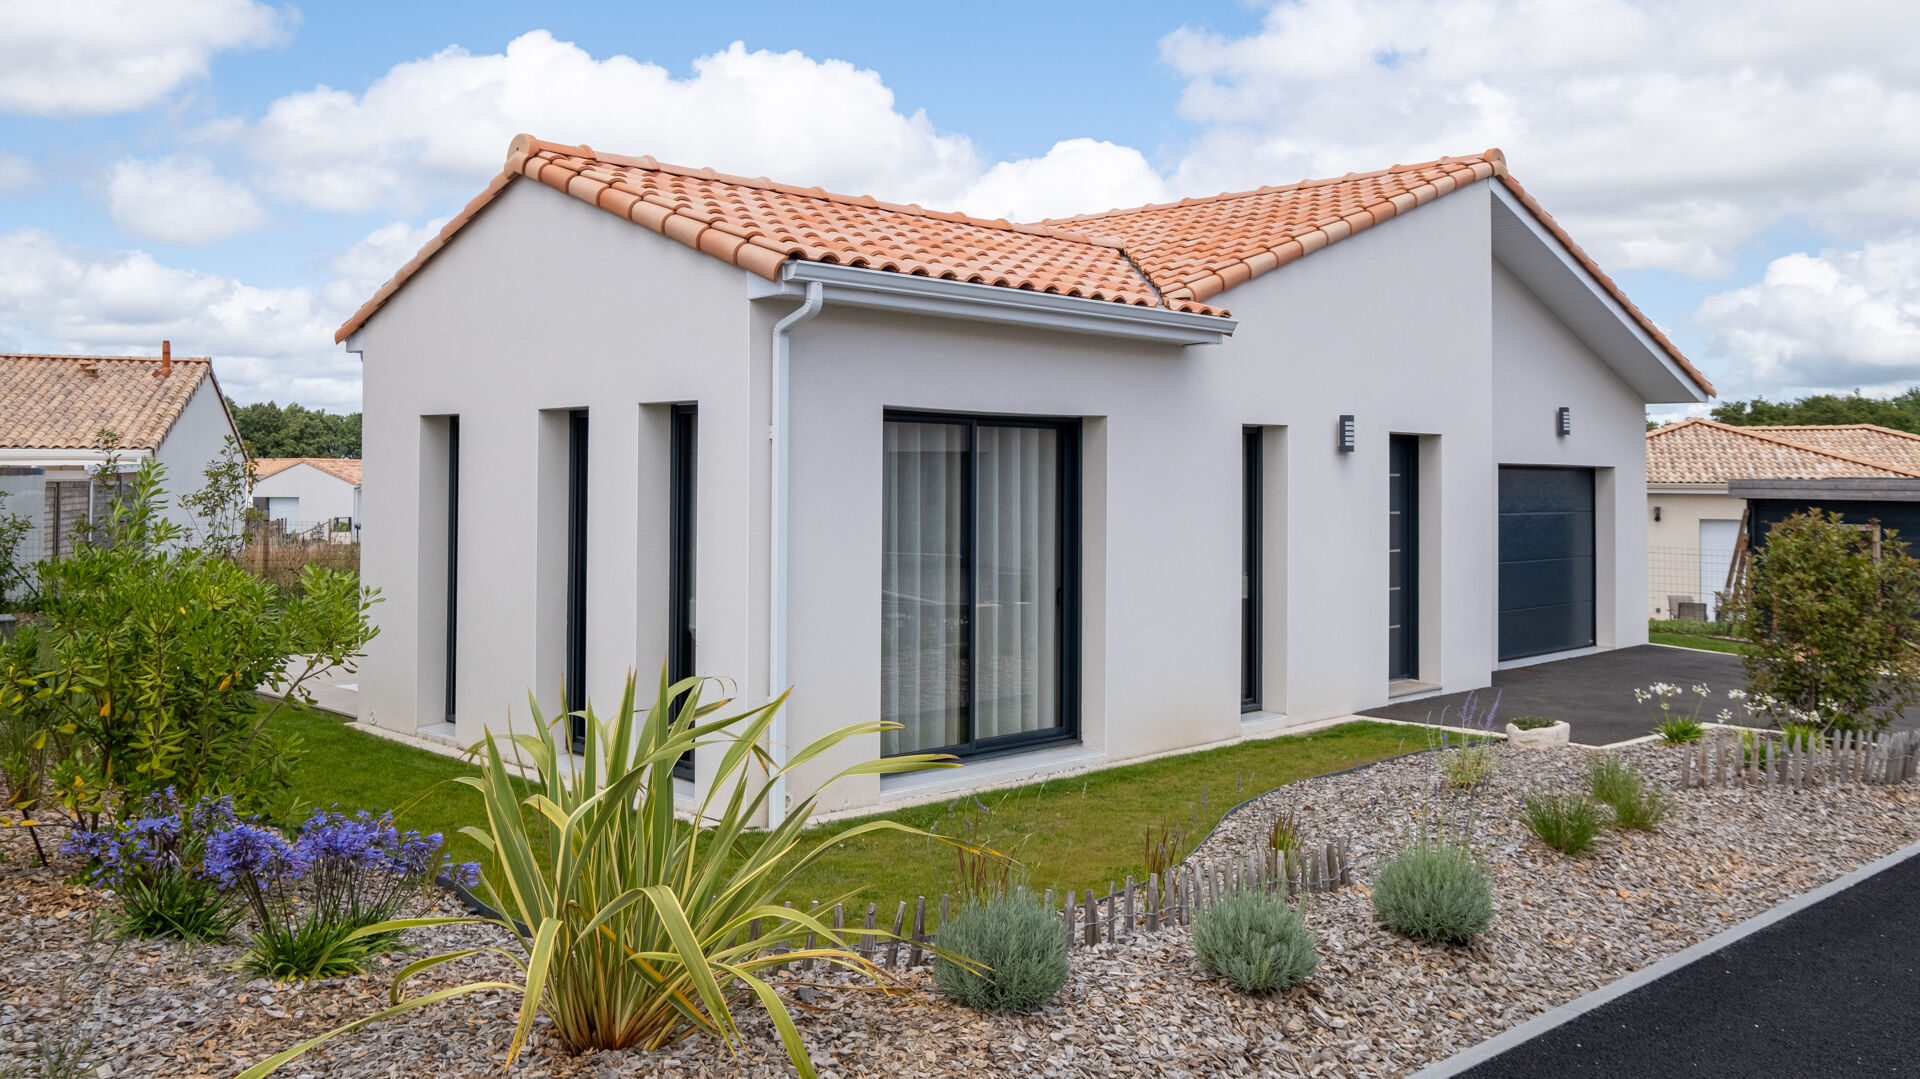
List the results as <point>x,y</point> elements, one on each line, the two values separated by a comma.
<point>1902,413</point>
<point>268,430</point>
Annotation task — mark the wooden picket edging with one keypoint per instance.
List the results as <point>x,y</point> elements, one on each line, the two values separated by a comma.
<point>1090,918</point>
<point>1843,758</point>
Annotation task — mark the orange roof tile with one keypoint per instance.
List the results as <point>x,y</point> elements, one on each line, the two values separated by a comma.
<point>1174,255</point>
<point>1863,441</point>
<point>346,468</point>
<point>1705,451</point>
<point>64,402</point>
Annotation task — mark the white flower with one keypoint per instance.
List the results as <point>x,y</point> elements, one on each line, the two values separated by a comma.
<point>1642,695</point>
<point>1736,694</point>
<point>1726,715</point>
<point>1700,690</point>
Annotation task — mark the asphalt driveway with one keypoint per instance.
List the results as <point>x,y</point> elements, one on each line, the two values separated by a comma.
<point>1592,693</point>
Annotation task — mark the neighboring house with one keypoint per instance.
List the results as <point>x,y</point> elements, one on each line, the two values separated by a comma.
<point>54,408</point>
<point>1025,490</point>
<point>1695,519</point>
<point>317,495</point>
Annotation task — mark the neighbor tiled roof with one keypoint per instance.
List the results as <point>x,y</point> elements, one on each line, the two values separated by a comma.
<point>1705,451</point>
<point>1174,255</point>
<point>64,402</point>
<point>346,468</point>
<point>1862,441</point>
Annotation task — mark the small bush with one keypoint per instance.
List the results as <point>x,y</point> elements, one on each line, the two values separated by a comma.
<point>1566,822</point>
<point>1436,892</point>
<point>1469,766</point>
<point>1636,804</point>
<point>1680,730</point>
<point>1021,944</point>
<point>1531,723</point>
<point>154,866</point>
<point>1255,942</point>
<point>1802,736</point>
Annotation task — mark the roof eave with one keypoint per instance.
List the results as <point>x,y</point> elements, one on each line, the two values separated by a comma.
<point>854,286</point>
<point>1563,279</point>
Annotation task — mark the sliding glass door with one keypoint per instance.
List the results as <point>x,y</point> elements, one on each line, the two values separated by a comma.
<point>979,582</point>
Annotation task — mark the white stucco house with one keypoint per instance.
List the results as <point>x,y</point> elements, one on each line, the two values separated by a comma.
<point>53,410</point>
<point>317,495</point>
<point>1028,490</point>
<point>1696,522</point>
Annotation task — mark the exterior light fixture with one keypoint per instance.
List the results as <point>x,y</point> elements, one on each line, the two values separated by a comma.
<point>1656,515</point>
<point>1346,433</point>
<point>1564,423</point>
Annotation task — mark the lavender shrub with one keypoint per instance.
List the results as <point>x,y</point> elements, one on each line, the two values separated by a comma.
<point>311,896</point>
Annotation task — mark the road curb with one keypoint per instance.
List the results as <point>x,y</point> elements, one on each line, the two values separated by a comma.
<point>1574,1009</point>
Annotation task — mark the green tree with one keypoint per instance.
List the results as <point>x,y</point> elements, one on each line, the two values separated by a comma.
<point>1901,413</point>
<point>1834,621</point>
<point>269,430</point>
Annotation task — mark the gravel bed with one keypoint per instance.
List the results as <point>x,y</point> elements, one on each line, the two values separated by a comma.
<point>1379,1005</point>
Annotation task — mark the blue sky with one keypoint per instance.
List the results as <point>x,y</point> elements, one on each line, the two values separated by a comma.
<point>237,176</point>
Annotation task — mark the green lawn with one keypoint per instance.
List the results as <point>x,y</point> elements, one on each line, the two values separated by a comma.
<point>1067,833</point>
<point>1694,640</point>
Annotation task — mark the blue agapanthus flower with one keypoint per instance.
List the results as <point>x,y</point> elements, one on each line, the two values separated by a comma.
<point>246,853</point>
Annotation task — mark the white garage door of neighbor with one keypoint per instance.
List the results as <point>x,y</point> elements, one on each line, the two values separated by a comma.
<point>1717,542</point>
<point>285,509</point>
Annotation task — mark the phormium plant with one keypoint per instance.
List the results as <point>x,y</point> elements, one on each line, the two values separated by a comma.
<point>638,931</point>
<point>1256,942</point>
<point>1018,953</point>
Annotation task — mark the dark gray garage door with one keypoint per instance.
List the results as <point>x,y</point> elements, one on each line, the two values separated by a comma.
<point>1546,560</point>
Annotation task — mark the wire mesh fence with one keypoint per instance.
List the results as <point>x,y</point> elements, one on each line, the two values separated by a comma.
<point>1688,583</point>
<point>279,550</point>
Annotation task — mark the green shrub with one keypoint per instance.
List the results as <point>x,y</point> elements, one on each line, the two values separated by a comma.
<point>141,675</point>
<point>1019,954</point>
<point>1469,766</point>
<point>1802,736</point>
<point>1256,942</point>
<point>1436,892</point>
<point>638,930</point>
<point>1284,835</point>
<point>1637,804</point>
<point>1566,822</point>
<point>1680,730</point>
<point>1832,614</point>
<point>1531,723</point>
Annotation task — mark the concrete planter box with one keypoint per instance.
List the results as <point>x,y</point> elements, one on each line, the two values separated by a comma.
<point>1539,737</point>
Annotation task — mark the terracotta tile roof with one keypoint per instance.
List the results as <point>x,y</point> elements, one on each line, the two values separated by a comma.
<point>64,402</point>
<point>1705,451</point>
<point>1862,441</point>
<point>1196,248</point>
<point>1174,255</point>
<point>346,468</point>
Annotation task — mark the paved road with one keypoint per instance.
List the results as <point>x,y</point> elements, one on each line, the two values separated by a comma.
<point>1831,990</point>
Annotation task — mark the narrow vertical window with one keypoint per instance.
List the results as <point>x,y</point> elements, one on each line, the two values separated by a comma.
<point>1250,569</point>
<point>576,670</point>
<point>979,582</point>
<point>683,495</point>
<point>1403,557</point>
<point>453,558</point>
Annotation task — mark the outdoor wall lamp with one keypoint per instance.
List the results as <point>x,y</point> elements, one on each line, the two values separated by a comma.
<point>1656,515</point>
<point>1564,422</point>
<point>1346,433</point>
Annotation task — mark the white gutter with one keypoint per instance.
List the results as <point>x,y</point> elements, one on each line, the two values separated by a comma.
<point>777,547</point>
<point>856,286</point>
<point>71,457</point>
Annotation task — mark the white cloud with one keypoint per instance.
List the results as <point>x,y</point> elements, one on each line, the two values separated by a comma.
<point>440,125</point>
<point>1075,176</point>
<point>266,342</point>
<point>1663,135</point>
<point>16,173</point>
<point>367,265</point>
<point>181,200</point>
<point>1847,318</point>
<point>105,56</point>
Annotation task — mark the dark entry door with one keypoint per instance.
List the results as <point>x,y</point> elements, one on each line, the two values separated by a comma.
<point>1546,560</point>
<point>1403,557</point>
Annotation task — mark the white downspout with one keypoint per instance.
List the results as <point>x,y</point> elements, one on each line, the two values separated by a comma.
<point>777,548</point>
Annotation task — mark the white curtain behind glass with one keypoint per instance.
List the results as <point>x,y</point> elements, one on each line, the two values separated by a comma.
<point>923,583</point>
<point>1016,531</point>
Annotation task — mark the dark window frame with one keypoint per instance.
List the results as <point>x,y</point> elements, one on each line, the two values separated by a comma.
<point>1251,567</point>
<point>576,621</point>
<point>1411,586</point>
<point>453,562</point>
<point>1066,597</point>
<point>683,448</point>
